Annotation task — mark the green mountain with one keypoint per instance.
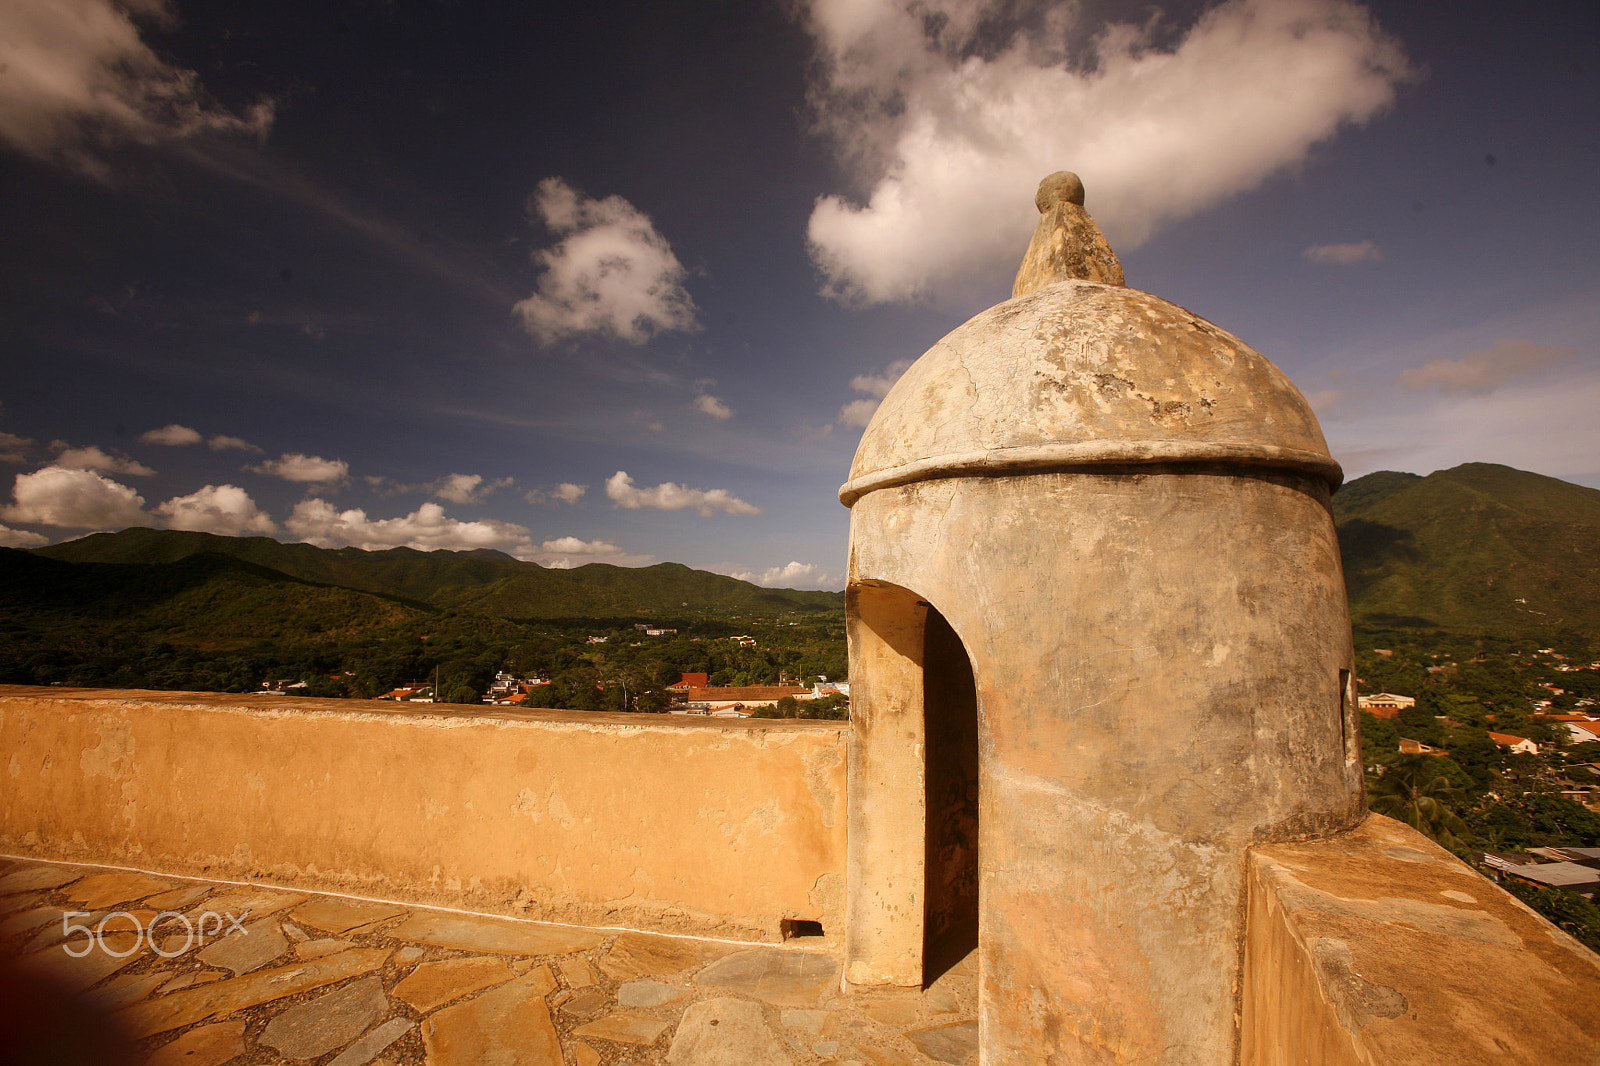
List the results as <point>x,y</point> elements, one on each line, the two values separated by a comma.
<point>1478,547</point>
<point>482,581</point>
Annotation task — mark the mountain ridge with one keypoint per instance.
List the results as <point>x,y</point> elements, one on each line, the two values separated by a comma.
<point>482,581</point>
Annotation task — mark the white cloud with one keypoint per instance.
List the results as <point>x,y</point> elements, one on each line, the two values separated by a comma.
<point>858,412</point>
<point>427,528</point>
<point>612,274</point>
<point>73,498</point>
<point>564,553</point>
<point>92,458</point>
<point>172,435</point>
<point>21,538</point>
<point>221,442</point>
<point>1344,254</point>
<point>566,492</point>
<point>13,449</point>
<point>793,575</point>
<point>77,77</point>
<point>306,469</point>
<point>574,546</point>
<point>710,405</point>
<point>949,112</point>
<point>1485,370</point>
<point>877,386</point>
<point>672,497</point>
<point>226,510</point>
<point>467,488</point>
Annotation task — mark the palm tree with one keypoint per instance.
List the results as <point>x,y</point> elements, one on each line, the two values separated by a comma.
<point>1412,791</point>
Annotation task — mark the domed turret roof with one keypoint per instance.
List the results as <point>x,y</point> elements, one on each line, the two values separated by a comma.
<point>1074,372</point>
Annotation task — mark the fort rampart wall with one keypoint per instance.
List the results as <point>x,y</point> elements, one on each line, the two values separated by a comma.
<point>708,826</point>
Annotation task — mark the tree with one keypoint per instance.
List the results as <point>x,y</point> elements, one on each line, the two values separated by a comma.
<point>1415,792</point>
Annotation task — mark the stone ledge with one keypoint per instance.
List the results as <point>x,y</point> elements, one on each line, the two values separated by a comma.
<point>1378,947</point>
<point>722,828</point>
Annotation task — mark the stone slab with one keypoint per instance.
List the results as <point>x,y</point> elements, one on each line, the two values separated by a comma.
<point>33,918</point>
<point>338,916</point>
<point>38,879</point>
<point>250,948</point>
<point>433,984</point>
<point>177,1009</point>
<point>506,1026</point>
<point>954,1044</point>
<point>368,1047</point>
<point>785,978</point>
<point>504,936</point>
<point>208,1045</point>
<point>624,1027</point>
<point>246,902</point>
<point>178,898</point>
<point>577,972</point>
<point>649,994</point>
<point>315,949</point>
<point>127,988</point>
<point>648,955</point>
<point>103,890</point>
<point>332,1020</point>
<point>26,902</point>
<point>110,954</point>
<point>727,1032</point>
<point>586,1004</point>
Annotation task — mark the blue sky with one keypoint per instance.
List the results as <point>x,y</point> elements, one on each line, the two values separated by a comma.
<point>623,284</point>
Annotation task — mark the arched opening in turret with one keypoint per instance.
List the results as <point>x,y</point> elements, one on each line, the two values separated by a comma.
<point>914,790</point>
<point>950,790</point>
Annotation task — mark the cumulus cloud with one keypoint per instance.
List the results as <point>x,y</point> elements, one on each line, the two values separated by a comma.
<point>948,112</point>
<point>566,492</point>
<point>427,528</point>
<point>306,469</point>
<point>73,498</point>
<point>876,386</point>
<point>1485,370</point>
<point>612,274</point>
<point>1344,254</point>
<point>574,546</point>
<point>226,510</point>
<point>92,458</point>
<point>467,488</point>
<point>563,553</point>
<point>21,538</point>
<point>77,78</point>
<point>221,442</point>
<point>172,435</point>
<point>14,449</point>
<point>710,405</point>
<point>793,575</point>
<point>668,496</point>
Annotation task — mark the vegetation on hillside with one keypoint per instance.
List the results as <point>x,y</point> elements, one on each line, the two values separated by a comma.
<point>1478,548</point>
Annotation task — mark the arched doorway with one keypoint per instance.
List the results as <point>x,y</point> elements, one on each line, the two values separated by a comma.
<point>914,790</point>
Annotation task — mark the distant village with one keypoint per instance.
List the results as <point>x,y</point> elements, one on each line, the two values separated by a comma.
<point>691,694</point>
<point>1570,770</point>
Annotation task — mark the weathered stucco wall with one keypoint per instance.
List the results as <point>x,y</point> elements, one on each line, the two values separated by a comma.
<point>648,821</point>
<point>1162,658</point>
<point>1379,947</point>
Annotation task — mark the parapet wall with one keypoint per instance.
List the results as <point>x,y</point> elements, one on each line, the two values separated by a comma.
<point>1379,947</point>
<point>710,826</point>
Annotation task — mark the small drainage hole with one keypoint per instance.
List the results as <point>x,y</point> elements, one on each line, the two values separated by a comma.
<point>797,927</point>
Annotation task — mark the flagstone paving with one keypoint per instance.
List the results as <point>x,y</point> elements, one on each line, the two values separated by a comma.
<point>254,975</point>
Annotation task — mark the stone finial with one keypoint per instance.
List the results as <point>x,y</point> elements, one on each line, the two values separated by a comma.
<point>1066,244</point>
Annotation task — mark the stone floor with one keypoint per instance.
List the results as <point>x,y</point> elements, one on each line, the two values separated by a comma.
<point>252,974</point>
